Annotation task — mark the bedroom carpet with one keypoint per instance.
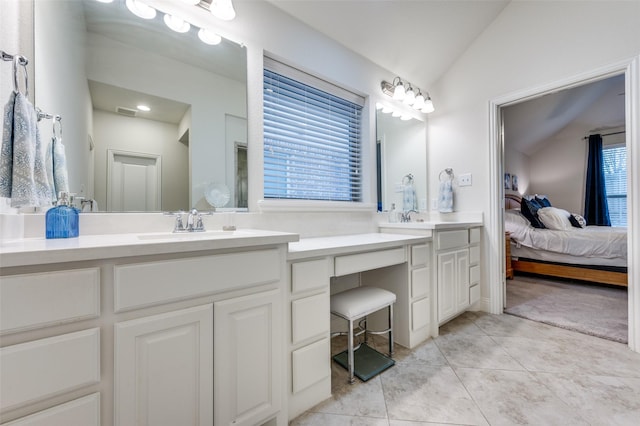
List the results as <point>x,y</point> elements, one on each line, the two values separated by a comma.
<point>590,309</point>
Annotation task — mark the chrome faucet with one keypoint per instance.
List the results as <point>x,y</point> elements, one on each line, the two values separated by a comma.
<point>406,216</point>
<point>194,221</point>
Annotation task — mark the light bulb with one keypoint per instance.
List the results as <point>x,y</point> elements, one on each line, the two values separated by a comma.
<point>405,117</point>
<point>409,97</point>
<point>387,109</point>
<point>428,106</point>
<point>176,24</point>
<point>396,113</point>
<point>419,103</point>
<point>141,10</point>
<point>398,92</point>
<point>222,9</point>
<point>209,37</point>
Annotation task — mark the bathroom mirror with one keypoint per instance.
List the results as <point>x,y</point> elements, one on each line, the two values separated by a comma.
<point>96,63</point>
<point>402,151</point>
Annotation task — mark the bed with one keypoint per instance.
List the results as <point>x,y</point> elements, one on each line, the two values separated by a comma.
<point>595,254</point>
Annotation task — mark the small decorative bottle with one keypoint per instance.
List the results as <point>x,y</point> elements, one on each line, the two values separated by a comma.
<point>393,214</point>
<point>62,220</point>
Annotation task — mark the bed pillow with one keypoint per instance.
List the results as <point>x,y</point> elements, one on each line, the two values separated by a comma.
<point>529,209</point>
<point>577,221</point>
<point>543,201</point>
<point>555,218</point>
<point>516,218</point>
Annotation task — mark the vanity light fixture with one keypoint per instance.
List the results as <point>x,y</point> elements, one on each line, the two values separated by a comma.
<point>428,105</point>
<point>398,89</point>
<point>222,9</point>
<point>411,96</point>
<point>209,37</point>
<point>176,24</point>
<point>140,9</point>
<point>419,102</point>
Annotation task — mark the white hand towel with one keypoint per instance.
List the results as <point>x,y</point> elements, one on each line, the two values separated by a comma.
<point>445,197</point>
<point>23,174</point>
<point>56,161</point>
<point>409,199</point>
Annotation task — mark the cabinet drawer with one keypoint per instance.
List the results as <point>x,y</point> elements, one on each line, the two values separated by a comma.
<point>309,275</point>
<point>51,298</point>
<point>449,239</point>
<point>46,367</point>
<point>310,364</point>
<point>474,254</point>
<point>474,274</point>
<point>474,235</point>
<point>420,314</point>
<point>420,282</point>
<point>420,255</point>
<point>474,293</point>
<point>83,411</point>
<point>310,317</point>
<point>345,265</point>
<point>151,283</point>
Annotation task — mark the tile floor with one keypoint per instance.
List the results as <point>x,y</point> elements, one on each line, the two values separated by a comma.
<point>492,370</point>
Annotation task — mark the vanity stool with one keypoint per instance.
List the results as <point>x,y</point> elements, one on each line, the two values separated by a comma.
<point>353,305</point>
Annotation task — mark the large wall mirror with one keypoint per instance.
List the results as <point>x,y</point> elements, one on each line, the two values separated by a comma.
<point>96,63</point>
<point>402,152</point>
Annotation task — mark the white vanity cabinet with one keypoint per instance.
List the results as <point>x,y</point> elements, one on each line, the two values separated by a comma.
<point>457,257</point>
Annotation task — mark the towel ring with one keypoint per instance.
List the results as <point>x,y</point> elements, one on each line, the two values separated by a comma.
<point>408,177</point>
<point>449,173</point>
<point>20,60</point>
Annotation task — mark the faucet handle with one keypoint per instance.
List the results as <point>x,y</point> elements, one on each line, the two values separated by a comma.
<point>178,225</point>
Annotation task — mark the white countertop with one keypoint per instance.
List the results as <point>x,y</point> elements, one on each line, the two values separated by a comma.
<point>434,225</point>
<point>323,246</point>
<point>38,251</point>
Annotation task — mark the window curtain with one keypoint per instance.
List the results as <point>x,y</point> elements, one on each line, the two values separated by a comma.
<point>596,210</point>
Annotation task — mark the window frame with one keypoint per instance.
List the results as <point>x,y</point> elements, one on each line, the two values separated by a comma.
<point>611,146</point>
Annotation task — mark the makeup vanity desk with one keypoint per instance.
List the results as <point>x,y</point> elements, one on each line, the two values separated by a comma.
<point>318,267</point>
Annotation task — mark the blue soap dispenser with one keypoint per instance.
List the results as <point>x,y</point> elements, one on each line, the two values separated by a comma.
<point>62,221</point>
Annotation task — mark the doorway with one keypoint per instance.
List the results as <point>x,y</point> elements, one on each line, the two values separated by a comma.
<point>134,181</point>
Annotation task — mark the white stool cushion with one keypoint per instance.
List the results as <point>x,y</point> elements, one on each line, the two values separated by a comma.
<point>360,301</point>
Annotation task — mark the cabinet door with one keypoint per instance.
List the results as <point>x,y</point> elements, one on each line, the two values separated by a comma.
<point>462,280</point>
<point>447,268</point>
<point>247,359</point>
<point>163,369</point>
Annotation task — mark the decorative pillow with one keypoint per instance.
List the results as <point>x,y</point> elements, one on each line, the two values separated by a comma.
<point>577,221</point>
<point>543,200</point>
<point>516,218</point>
<point>529,209</point>
<point>555,218</point>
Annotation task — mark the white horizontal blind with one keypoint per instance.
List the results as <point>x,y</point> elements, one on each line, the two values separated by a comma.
<point>312,138</point>
<point>615,175</point>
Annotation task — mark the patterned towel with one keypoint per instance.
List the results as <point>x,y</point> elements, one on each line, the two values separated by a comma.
<point>445,197</point>
<point>409,198</point>
<point>23,175</point>
<point>56,161</point>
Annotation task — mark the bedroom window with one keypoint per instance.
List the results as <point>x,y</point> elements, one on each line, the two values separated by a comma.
<point>312,137</point>
<point>615,175</point>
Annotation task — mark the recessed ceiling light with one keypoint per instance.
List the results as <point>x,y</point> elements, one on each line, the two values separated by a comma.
<point>143,108</point>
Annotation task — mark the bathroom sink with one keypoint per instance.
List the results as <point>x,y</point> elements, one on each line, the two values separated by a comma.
<point>188,236</point>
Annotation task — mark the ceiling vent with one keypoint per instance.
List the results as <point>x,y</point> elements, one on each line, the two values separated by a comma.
<point>126,111</point>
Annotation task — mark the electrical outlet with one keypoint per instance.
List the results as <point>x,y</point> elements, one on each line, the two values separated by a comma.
<point>464,180</point>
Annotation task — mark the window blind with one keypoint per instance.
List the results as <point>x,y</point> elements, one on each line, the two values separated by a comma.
<point>615,175</point>
<point>312,137</point>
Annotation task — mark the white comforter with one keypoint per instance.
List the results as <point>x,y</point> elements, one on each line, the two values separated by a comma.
<point>592,241</point>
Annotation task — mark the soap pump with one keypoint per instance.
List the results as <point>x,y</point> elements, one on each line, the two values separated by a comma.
<point>62,221</point>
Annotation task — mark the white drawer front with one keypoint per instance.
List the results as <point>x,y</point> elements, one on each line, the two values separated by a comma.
<point>420,255</point>
<point>451,239</point>
<point>474,254</point>
<point>310,364</point>
<point>349,264</point>
<point>474,293</point>
<point>420,314</point>
<point>83,411</point>
<point>420,282</point>
<point>310,317</point>
<point>46,367</point>
<point>51,298</point>
<point>474,235</point>
<point>152,283</point>
<point>474,274</point>
<point>309,275</point>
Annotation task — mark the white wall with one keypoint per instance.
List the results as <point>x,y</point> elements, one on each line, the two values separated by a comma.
<point>114,131</point>
<point>517,163</point>
<point>530,44</point>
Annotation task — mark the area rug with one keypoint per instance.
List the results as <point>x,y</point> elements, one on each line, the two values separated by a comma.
<point>596,310</point>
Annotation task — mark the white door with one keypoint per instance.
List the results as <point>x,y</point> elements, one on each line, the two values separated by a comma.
<point>164,369</point>
<point>133,181</point>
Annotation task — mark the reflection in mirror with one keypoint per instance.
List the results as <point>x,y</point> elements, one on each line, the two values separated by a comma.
<point>97,63</point>
<point>402,151</point>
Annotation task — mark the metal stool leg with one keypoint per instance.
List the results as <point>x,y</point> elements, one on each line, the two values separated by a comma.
<point>391,330</point>
<point>350,352</point>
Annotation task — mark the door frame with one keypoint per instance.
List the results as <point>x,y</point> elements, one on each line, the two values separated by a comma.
<point>631,70</point>
<point>111,155</point>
